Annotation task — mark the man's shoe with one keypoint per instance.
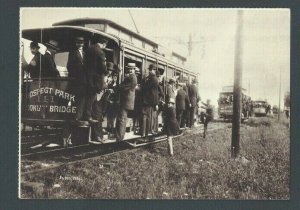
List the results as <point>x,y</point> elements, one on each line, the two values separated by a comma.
<point>91,120</point>
<point>98,139</point>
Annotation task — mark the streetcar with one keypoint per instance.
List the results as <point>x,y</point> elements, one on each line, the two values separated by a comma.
<point>225,104</point>
<point>51,102</point>
<point>260,108</point>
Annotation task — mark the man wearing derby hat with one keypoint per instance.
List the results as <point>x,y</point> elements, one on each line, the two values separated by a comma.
<point>95,64</point>
<point>127,96</point>
<point>77,72</point>
<point>48,63</point>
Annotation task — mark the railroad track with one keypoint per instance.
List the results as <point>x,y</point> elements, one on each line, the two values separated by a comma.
<point>76,157</point>
<point>71,155</point>
<point>29,138</point>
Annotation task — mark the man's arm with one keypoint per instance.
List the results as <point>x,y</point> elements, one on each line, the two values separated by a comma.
<point>161,93</point>
<point>187,99</point>
<point>51,64</point>
<point>101,63</point>
<point>168,93</point>
<point>70,64</point>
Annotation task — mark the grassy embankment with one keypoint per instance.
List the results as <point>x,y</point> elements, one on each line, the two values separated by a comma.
<point>200,169</point>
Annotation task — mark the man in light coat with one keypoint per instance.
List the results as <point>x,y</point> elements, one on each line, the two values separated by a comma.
<point>127,96</point>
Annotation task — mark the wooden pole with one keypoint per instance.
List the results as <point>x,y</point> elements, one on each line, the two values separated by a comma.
<point>279,95</point>
<point>170,143</point>
<point>236,118</point>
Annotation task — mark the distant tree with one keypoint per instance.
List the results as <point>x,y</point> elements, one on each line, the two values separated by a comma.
<point>287,99</point>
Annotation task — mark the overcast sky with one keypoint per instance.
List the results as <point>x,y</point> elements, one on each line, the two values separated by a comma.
<point>266,42</point>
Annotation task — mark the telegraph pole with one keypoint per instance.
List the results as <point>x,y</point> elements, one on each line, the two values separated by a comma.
<point>236,118</point>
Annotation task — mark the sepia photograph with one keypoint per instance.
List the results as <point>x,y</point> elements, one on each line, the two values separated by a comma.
<point>154,103</point>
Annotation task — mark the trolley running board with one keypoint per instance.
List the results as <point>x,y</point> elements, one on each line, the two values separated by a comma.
<point>145,141</point>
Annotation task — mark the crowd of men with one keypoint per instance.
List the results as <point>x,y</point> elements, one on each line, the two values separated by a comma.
<point>99,93</point>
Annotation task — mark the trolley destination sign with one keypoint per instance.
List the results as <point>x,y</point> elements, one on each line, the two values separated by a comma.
<point>49,99</point>
<point>49,94</point>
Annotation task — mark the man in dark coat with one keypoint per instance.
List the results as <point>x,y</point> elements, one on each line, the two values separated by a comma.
<point>113,100</point>
<point>185,121</point>
<point>208,115</point>
<point>194,99</point>
<point>42,65</point>
<point>171,126</point>
<point>34,65</point>
<point>95,64</point>
<point>127,96</point>
<point>76,70</point>
<point>150,91</point>
<point>99,110</point>
<point>161,99</point>
<point>48,64</point>
<point>182,103</point>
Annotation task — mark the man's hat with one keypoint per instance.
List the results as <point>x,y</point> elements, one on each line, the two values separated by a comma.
<point>195,80</point>
<point>79,39</point>
<point>152,67</point>
<point>130,66</point>
<point>137,71</point>
<point>53,44</point>
<point>160,71</point>
<point>171,80</point>
<point>102,40</point>
<point>110,66</point>
<point>34,44</point>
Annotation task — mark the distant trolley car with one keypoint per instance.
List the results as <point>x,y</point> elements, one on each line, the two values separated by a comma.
<point>260,108</point>
<point>51,101</point>
<point>225,104</point>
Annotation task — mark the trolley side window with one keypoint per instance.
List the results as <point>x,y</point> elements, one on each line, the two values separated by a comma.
<point>130,58</point>
<point>61,60</point>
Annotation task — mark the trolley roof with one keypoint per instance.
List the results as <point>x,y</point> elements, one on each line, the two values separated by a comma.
<point>117,30</point>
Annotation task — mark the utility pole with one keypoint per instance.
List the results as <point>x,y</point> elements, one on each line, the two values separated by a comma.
<point>279,95</point>
<point>236,118</point>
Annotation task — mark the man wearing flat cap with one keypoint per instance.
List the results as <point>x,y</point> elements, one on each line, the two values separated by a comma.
<point>77,72</point>
<point>127,96</point>
<point>95,64</point>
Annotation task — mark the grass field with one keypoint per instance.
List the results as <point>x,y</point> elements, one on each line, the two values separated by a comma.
<point>200,169</point>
